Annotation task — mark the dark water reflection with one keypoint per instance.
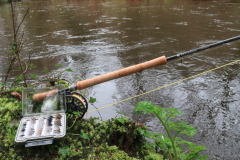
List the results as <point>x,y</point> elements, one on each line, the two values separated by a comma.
<point>96,37</point>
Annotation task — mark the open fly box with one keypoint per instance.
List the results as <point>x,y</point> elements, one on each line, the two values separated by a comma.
<point>43,122</point>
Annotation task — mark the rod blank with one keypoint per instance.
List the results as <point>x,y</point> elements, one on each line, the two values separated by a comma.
<point>203,48</point>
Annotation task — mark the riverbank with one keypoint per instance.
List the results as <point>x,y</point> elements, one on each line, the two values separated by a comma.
<point>85,138</point>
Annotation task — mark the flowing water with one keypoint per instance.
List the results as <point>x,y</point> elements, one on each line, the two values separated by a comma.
<point>97,37</point>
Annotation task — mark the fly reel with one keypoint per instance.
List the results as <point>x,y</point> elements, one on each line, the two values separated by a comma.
<point>76,103</point>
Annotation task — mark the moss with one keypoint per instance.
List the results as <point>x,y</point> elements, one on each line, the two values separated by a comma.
<point>101,143</point>
<point>153,156</point>
<point>66,84</point>
<point>115,154</point>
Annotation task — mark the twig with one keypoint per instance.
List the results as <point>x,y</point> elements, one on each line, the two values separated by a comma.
<point>130,137</point>
<point>22,20</point>
<point>9,69</point>
<point>116,116</point>
<point>24,27</point>
<point>20,47</point>
<point>73,123</point>
<point>97,110</point>
<point>29,57</point>
<point>23,71</point>
<point>170,154</point>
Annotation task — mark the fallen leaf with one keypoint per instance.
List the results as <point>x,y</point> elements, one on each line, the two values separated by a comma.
<point>17,95</point>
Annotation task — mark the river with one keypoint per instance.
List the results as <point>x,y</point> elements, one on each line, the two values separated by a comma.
<point>97,37</point>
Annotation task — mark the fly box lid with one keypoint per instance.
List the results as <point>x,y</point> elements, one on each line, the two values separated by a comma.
<point>42,122</point>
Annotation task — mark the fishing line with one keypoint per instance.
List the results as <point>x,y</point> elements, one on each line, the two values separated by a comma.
<point>166,86</point>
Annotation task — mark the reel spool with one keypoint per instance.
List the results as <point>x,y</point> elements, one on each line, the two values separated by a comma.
<point>78,103</point>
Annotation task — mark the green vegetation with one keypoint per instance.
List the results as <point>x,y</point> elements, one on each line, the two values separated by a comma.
<point>91,139</point>
<point>171,146</point>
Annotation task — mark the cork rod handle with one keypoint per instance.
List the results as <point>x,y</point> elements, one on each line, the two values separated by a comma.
<point>121,73</point>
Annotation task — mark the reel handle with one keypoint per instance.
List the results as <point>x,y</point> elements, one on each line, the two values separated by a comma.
<point>107,77</point>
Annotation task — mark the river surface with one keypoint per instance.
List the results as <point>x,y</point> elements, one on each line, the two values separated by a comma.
<point>97,37</point>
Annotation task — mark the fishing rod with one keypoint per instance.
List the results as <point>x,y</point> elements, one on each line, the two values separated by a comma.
<point>37,98</point>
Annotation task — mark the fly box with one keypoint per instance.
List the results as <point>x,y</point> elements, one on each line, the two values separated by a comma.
<point>43,122</point>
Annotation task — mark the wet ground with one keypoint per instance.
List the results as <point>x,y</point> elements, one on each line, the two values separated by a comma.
<point>97,37</point>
